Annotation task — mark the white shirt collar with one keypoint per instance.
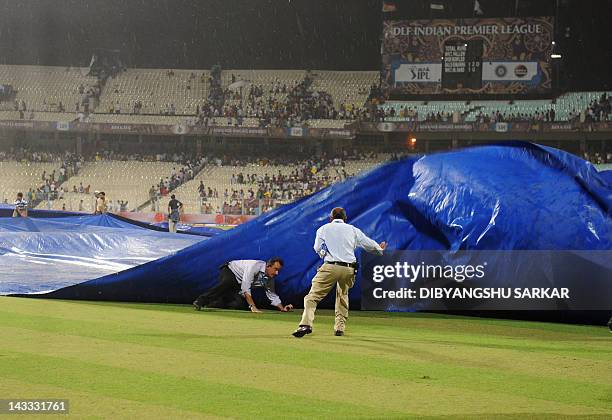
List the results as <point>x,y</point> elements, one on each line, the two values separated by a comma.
<point>337,221</point>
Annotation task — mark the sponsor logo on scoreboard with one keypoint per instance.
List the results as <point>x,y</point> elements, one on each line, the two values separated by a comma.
<point>521,71</point>
<point>418,73</point>
<point>509,71</point>
<point>501,71</point>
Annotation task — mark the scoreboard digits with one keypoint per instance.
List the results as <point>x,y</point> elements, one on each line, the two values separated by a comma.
<point>462,65</point>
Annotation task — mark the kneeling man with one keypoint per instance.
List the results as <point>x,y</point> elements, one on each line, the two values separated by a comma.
<point>236,279</point>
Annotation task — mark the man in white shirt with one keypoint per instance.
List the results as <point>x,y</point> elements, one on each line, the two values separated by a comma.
<point>236,280</point>
<point>335,243</point>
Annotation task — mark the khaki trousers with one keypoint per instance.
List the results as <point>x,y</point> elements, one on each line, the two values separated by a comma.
<point>327,276</point>
<point>172,226</point>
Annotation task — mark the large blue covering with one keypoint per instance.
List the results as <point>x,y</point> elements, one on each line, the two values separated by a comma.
<point>607,176</point>
<point>42,255</point>
<point>512,196</point>
<point>207,231</point>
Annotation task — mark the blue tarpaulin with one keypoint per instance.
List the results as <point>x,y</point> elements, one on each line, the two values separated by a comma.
<point>504,197</point>
<point>6,210</point>
<point>607,176</point>
<point>46,254</point>
<point>192,229</point>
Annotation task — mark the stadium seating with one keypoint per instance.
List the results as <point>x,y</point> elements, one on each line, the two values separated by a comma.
<point>423,108</point>
<point>120,180</point>
<point>565,106</point>
<point>43,88</point>
<point>350,88</point>
<point>155,89</point>
<point>267,79</point>
<point>21,176</point>
<point>356,167</point>
<point>527,107</point>
<point>131,180</point>
<point>39,116</point>
<point>219,177</point>
<point>575,102</point>
<point>70,202</point>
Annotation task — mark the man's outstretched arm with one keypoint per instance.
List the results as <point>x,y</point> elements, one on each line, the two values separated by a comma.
<point>368,244</point>
<point>251,302</point>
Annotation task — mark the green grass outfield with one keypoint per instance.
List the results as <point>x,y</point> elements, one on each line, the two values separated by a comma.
<point>167,361</point>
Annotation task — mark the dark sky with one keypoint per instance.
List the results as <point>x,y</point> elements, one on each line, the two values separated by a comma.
<point>324,34</point>
<point>339,34</point>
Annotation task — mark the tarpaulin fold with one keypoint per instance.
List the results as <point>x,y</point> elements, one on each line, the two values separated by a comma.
<point>507,196</point>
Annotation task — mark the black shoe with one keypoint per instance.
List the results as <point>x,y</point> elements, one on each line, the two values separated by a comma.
<point>339,333</point>
<point>196,305</point>
<point>302,331</point>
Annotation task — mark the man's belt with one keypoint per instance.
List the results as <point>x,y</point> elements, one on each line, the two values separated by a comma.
<point>344,264</point>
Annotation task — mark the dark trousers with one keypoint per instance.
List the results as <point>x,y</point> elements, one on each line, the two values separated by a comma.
<point>225,294</point>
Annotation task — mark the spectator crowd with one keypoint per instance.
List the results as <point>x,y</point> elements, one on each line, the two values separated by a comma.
<point>276,106</point>
<point>598,111</point>
<point>256,191</point>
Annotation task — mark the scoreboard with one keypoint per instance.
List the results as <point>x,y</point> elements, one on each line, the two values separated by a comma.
<point>462,65</point>
<point>494,55</point>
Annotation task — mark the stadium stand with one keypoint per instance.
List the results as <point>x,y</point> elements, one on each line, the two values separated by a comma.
<point>276,94</point>
<point>572,103</point>
<point>39,116</point>
<point>566,107</point>
<point>255,94</point>
<point>249,98</point>
<point>348,88</point>
<point>22,176</point>
<point>120,180</point>
<point>44,88</point>
<point>153,96</point>
<point>220,179</point>
<point>269,80</point>
<point>158,92</point>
